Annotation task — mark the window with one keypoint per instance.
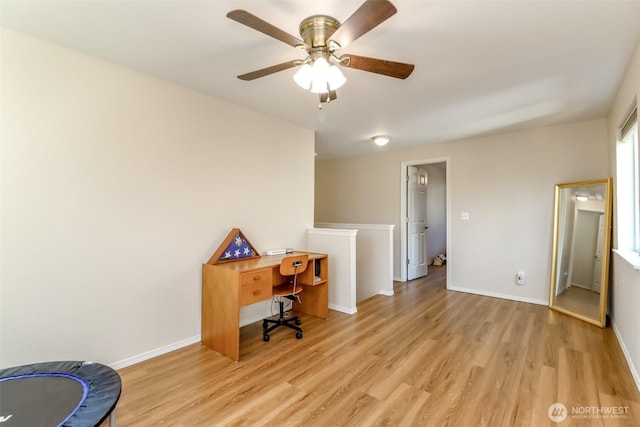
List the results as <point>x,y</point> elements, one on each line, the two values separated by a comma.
<point>628,185</point>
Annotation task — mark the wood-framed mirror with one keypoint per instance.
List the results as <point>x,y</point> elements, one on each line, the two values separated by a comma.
<point>581,250</point>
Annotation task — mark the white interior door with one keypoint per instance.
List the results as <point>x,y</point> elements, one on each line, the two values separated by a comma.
<point>597,265</point>
<point>416,223</point>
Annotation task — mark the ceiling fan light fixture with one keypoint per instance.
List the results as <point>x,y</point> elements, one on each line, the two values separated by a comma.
<point>304,76</point>
<point>320,66</point>
<point>320,76</point>
<point>319,86</point>
<point>335,77</point>
<point>381,140</point>
<point>320,81</point>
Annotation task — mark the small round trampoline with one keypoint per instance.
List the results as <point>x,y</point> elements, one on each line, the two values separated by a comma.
<point>64,394</point>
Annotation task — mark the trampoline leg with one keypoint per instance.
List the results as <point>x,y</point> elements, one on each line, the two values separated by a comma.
<point>112,418</point>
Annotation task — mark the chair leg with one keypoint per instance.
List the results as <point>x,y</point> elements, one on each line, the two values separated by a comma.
<point>281,321</point>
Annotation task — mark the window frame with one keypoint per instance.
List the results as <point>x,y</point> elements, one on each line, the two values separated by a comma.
<point>628,184</point>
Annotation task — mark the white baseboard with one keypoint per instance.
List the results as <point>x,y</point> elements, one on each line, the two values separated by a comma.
<point>500,295</point>
<point>386,293</point>
<point>154,353</point>
<point>348,310</point>
<point>627,355</point>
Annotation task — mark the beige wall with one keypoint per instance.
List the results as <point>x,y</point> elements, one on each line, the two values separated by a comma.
<point>625,283</point>
<point>505,182</point>
<point>115,188</point>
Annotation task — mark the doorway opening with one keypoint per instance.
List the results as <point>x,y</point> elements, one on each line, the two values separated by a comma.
<point>424,216</point>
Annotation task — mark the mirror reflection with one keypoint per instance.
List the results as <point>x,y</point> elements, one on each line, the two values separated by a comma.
<point>580,264</point>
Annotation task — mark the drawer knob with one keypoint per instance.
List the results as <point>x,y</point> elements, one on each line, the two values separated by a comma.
<point>256,292</point>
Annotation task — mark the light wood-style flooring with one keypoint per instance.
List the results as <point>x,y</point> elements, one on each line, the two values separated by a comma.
<point>424,357</point>
<point>580,300</point>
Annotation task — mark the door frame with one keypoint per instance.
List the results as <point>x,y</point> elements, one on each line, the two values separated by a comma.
<point>403,212</point>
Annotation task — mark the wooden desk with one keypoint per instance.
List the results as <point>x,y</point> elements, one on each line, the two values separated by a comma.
<point>228,286</point>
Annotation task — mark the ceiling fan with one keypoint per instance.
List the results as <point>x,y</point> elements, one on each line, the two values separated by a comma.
<point>322,36</point>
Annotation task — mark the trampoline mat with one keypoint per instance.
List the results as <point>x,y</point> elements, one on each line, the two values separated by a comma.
<point>41,400</point>
<point>65,393</point>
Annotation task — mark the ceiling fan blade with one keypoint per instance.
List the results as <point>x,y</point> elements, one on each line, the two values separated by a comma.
<point>399,70</point>
<point>269,70</point>
<point>368,16</point>
<point>252,21</point>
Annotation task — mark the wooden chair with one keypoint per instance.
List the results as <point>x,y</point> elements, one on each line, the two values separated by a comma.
<point>290,268</point>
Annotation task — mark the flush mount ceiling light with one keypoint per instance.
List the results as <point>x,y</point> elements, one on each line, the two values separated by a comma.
<point>381,140</point>
<point>322,36</point>
<point>581,197</point>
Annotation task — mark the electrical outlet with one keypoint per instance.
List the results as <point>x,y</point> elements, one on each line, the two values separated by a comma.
<point>520,277</point>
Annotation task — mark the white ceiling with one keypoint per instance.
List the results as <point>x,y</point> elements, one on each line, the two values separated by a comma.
<point>481,66</point>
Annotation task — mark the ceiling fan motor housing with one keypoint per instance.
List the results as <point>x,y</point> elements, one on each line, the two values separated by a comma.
<point>316,30</point>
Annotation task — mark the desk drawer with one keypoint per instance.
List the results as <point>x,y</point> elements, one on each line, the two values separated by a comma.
<point>255,286</point>
<point>255,276</point>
